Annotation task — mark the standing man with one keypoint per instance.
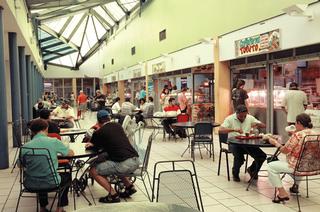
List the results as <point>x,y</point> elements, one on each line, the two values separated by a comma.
<point>239,95</point>
<point>239,123</point>
<point>294,103</point>
<point>143,93</point>
<point>82,104</point>
<point>122,157</point>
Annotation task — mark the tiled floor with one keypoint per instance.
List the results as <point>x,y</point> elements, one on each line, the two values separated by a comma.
<point>218,194</point>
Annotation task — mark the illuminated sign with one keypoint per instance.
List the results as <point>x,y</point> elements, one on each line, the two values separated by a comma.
<point>264,42</point>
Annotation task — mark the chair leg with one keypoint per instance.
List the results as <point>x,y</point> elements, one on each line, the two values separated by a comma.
<point>298,203</point>
<point>192,151</point>
<point>18,201</point>
<point>219,162</point>
<point>246,165</point>
<point>307,186</point>
<point>200,151</point>
<point>227,161</point>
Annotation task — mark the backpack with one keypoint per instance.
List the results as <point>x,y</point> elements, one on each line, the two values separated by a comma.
<point>235,94</point>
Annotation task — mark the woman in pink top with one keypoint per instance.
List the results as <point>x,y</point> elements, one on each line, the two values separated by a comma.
<point>183,101</point>
<point>292,150</point>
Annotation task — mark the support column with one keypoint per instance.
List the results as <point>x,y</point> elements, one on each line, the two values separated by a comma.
<point>221,87</point>
<point>28,71</point>
<point>4,153</point>
<point>74,90</point>
<point>23,83</point>
<point>15,88</point>
<point>121,91</point>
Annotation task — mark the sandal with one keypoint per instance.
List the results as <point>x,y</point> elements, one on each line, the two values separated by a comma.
<point>280,199</point>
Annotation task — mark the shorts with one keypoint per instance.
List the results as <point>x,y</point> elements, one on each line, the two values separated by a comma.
<point>83,106</point>
<point>118,168</point>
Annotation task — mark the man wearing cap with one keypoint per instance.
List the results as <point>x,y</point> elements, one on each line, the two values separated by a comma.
<point>240,123</point>
<point>294,103</point>
<point>66,112</point>
<point>122,157</point>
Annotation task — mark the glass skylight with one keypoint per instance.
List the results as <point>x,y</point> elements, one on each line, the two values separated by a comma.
<point>73,23</point>
<point>115,10</point>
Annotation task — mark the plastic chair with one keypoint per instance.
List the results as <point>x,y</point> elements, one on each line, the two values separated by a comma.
<point>308,163</point>
<point>46,181</point>
<point>202,136</point>
<point>176,182</point>
<point>223,139</point>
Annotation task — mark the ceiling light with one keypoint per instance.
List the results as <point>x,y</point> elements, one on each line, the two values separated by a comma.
<point>298,10</point>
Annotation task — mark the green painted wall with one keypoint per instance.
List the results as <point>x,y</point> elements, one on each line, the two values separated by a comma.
<point>186,21</point>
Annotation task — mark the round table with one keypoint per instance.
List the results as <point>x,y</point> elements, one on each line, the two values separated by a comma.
<point>72,131</point>
<point>254,142</point>
<point>191,124</point>
<point>79,151</point>
<point>138,207</point>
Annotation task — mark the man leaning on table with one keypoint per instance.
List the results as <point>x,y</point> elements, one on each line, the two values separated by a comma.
<point>35,175</point>
<point>240,123</point>
<point>65,111</point>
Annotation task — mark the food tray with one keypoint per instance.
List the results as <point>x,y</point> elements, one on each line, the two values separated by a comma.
<point>243,137</point>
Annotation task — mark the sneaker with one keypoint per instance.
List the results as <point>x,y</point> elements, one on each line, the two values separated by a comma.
<point>128,192</point>
<point>294,189</point>
<point>252,174</point>
<point>110,199</point>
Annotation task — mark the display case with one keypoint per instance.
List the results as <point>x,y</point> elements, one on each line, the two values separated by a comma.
<point>258,98</point>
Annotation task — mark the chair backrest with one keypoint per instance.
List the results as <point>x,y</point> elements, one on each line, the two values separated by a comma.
<point>309,159</point>
<point>147,154</point>
<point>223,139</point>
<point>37,170</point>
<point>177,185</point>
<point>183,117</point>
<point>148,111</point>
<point>203,128</point>
<point>54,135</point>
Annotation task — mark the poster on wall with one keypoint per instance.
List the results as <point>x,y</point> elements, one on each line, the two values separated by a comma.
<point>265,42</point>
<point>158,68</point>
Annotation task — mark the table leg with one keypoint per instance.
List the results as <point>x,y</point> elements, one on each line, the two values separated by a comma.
<point>189,143</point>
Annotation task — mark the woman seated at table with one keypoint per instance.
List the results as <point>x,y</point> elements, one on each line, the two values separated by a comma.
<point>172,110</point>
<point>292,150</point>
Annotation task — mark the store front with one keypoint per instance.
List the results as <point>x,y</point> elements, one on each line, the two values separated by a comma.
<point>267,82</point>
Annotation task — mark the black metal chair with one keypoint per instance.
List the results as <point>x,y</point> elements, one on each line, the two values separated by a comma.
<point>176,182</point>
<point>46,180</point>
<point>308,162</point>
<point>203,136</point>
<point>142,172</point>
<point>223,139</point>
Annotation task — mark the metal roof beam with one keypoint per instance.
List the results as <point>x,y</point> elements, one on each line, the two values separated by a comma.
<point>104,23</point>
<point>55,57</point>
<point>65,24</point>
<point>52,45</point>
<point>123,8</point>
<point>110,14</point>
<point>65,3</point>
<point>57,51</point>
<point>77,26</point>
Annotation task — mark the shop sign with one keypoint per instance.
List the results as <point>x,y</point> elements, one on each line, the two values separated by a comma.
<point>158,68</point>
<point>264,42</point>
<point>136,73</point>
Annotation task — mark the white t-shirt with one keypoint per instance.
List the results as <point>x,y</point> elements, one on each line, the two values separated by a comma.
<point>116,108</point>
<point>62,113</point>
<point>294,101</point>
<point>232,122</point>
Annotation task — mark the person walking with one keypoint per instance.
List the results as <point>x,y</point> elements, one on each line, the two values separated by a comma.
<point>239,95</point>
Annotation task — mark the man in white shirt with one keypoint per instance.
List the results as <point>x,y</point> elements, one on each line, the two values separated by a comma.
<point>241,123</point>
<point>66,112</point>
<point>294,103</point>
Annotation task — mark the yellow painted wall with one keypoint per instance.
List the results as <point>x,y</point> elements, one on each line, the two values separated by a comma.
<point>186,21</point>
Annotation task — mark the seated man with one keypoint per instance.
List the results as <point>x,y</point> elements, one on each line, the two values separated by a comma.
<point>171,110</point>
<point>39,128</point>
<point>240,123</point>
<point>122,157</point>
<point>53,127</point>
<point>66,112</point>
<point>127,107</point>
<point>36,109</point>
